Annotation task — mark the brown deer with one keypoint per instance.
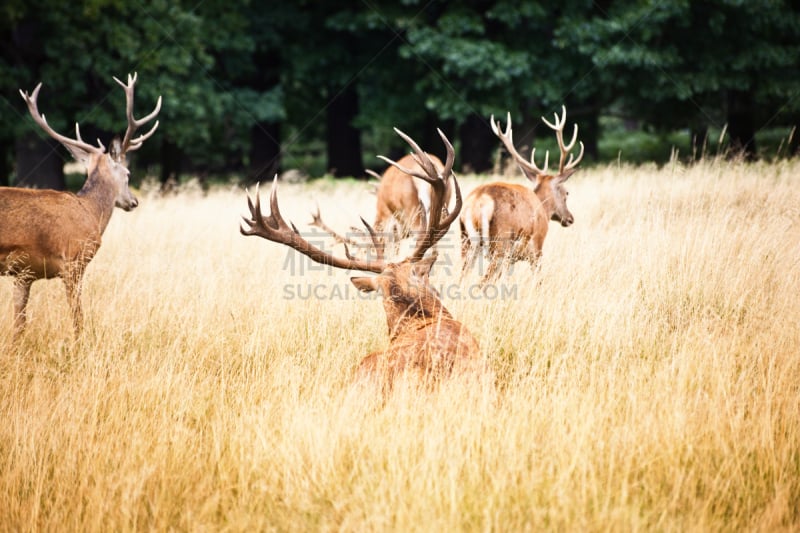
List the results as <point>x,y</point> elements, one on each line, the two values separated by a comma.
<point>425,340</point>
<point>403,203</point>
<point>510,220</point>
<point>48,234</point>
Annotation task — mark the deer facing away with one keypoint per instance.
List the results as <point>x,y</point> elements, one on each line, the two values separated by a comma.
<point>510,220</point>
<point>403,204</point>
<point>403,201</point>
<point>424,338</point>
<point>47,234</point>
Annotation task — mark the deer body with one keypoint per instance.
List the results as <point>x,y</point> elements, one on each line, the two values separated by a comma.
<point>404,199</point>
<point>509,220</point>
<point>425,341</point>
<point>424,338</point>
<point>47,234</point>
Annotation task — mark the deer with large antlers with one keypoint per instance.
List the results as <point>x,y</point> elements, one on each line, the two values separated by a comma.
<point>402,206</point>
<point>48,234</point>
<point>510,220</point>
<point>403,201</point>
<point>424,338</point>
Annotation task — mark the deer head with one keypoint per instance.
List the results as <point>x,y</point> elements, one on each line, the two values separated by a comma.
<point>424,339</point>
<point>110,167</point>
<point>549,187</point>
<point>404,286</point>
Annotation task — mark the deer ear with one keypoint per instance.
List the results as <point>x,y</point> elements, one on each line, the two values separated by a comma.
<point>566,175</point>
<point>80,156</point>
<point>422,268</point>
<point>364,284</point>
<point>115,150</point>
<point>534,177</point>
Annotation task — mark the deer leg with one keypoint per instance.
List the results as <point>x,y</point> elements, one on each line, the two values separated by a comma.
<point>492,271</point>
<point>496,260</point>
<point>22,290</point>
<point>73,284</point>
<point>468,251</point>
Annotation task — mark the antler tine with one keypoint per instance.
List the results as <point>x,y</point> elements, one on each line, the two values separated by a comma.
<point>558,127</point>
<point>437,228</point>
<point>130,144</point>
<point>419,155</point>
<point>506,137</point>
<point>274,228</point>
<point>377,243</point>
<point>39,118</point>
<point>78,136</point>
<point>317,222</point>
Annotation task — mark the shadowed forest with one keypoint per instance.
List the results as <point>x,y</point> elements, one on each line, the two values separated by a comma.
<point>252,89</point>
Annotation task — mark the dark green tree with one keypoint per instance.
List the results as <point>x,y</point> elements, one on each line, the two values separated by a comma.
<point>676,64</point>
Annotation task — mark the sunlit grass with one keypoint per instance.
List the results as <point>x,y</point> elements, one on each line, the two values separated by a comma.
<point>647,374</point>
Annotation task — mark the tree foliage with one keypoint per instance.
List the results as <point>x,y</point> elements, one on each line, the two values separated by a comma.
<point>239,80</point>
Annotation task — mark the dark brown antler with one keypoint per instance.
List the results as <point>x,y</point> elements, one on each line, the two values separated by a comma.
<point>274,228</point>
<point>436,228</point>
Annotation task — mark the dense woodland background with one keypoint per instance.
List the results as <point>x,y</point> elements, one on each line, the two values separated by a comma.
<point>254,88</point>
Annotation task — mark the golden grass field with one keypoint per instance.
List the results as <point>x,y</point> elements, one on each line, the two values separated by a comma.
<point>648,374</point>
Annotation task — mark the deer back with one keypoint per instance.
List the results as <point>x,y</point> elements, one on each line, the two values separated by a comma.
<point>405,197</point>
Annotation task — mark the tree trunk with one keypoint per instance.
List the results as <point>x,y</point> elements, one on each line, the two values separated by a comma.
<point>6,149</point>
<point>265,151</point>
<point>430,140</point>
<point>588,133</point>
<point>699,139</point>
<point>170,165</point>
<point>40,163</point>
<point>741,123</point>
<point>343,139</point>
<point>477,142</point>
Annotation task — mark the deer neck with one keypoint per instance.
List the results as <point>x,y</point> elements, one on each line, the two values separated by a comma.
<point>414,313</point>
<point>98,196</point>
<point>545,196</point>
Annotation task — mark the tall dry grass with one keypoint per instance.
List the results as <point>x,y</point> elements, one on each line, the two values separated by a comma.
<point>648,374</point>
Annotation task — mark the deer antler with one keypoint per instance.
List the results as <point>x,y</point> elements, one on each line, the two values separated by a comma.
<point>274,228</point>
<point>76,144</point>
<point>558,126</point>
<point>130,144</point>
<point>435,229</point>
<point>317,222</point>
<point>508,142</point>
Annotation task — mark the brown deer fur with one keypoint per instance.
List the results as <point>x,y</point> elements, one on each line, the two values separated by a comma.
<point>425,341</point>
<point>510,220</point>
<point>404,200</point>
<point>47,234</point>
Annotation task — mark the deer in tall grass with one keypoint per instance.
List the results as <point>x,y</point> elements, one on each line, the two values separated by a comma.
<point>425,340</point>
<point>47,234</point>
<point>402,206</point>
<point>403,201</point>
<point>510,220</point>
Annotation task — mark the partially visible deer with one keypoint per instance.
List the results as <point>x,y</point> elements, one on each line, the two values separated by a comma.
<point>48,234</point>
<point>403,202</point>
<point>424,338</point>
<point>510,220</point>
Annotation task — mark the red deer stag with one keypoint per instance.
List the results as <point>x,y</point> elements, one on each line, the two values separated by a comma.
<point>47,234</point>
<point>402,206</point>
<point>510,219</point>
<point>424,338</point>
<point>403,202</point>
